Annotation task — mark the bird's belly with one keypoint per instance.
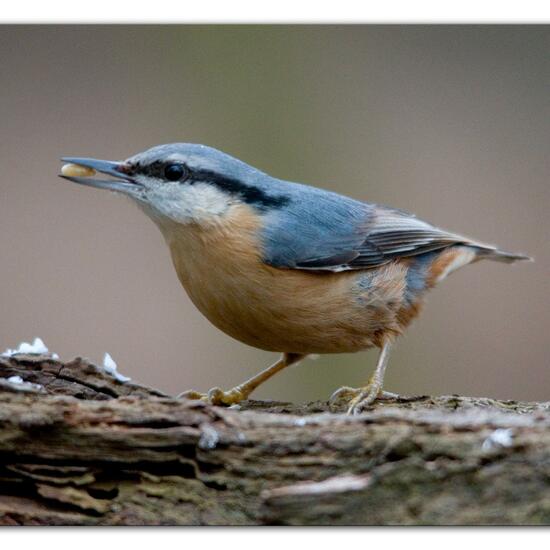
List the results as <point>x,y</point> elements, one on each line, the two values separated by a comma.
<point>286,315</point>
<point>297,311</point>
<point>285,310</point>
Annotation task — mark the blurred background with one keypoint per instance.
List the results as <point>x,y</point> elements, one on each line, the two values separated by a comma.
<point>449,122</point>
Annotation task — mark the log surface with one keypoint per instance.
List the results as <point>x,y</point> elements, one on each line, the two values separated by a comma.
<point>78,447</point>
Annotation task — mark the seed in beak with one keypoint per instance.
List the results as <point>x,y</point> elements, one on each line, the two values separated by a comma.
<point>77,171</point>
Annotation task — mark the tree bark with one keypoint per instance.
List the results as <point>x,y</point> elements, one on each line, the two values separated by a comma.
<point>78,447</point>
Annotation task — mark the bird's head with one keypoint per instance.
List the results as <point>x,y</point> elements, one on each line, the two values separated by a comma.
<point>183,182</point>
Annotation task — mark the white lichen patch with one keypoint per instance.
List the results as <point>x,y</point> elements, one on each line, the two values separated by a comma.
<point>338,484</point>
<point>209,437</point>
<point>502,437</point>
<point>110,367</point>
<point>36,348</point>
<point>18,383</point>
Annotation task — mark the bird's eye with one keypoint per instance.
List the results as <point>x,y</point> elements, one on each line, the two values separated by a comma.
<point>175,172</point>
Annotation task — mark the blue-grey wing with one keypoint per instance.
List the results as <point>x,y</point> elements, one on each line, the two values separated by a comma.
<point>334,233</point>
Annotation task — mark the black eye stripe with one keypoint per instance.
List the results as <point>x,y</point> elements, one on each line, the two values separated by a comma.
<point>170,171</point>
<point>180,172</point>
<point>248,193</point>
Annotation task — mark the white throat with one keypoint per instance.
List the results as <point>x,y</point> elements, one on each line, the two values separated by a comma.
<point>199,203</point>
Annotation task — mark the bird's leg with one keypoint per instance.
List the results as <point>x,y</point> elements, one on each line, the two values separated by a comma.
<point>359,398</point>
<point>216,396</point>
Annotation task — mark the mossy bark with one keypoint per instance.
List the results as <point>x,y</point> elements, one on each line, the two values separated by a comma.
<point>80,448</point>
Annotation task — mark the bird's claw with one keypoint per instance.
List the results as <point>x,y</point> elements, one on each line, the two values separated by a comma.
<point>193,395</point>
<point>358,399</point>
<point>364,397</point>
<point>343,394</point>
<point>215,396</point>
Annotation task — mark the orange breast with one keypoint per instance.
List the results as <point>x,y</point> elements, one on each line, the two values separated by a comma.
<point>283,310</point>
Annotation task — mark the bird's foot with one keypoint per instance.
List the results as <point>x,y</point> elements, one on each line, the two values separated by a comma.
<point>216,396</point>
<point>358,399</point>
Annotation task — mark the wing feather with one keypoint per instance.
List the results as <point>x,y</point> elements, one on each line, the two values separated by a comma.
<point>388,234</point>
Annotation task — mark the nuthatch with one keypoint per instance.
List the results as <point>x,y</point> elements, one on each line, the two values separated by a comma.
<point>283,266</point>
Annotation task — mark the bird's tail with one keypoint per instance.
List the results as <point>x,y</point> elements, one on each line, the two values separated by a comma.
<point>491,253</point>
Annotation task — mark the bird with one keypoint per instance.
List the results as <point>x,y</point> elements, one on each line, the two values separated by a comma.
<point>282,266</point>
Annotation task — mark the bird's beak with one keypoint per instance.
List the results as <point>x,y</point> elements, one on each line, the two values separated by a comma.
<point>122,181</point>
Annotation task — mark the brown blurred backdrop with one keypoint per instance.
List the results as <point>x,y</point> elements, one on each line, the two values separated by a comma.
<point>448,122</point>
